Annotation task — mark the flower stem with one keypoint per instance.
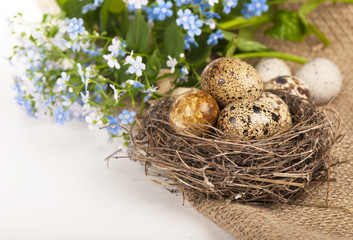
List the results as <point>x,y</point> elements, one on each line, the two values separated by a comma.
<point>275,54</point>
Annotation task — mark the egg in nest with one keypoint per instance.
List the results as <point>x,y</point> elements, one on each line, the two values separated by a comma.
<point>255,119</point>
<point>192,108</point>
<point>230,79</point>
<point>290,84</point>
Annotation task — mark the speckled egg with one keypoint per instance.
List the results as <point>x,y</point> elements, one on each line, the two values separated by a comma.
<point>255,119</point>
<point>290,84</point>
<point>181,90</point>
<point>323,78</point>
<point>230,79</point>
<point>270,68</point>
<point>193,107</point>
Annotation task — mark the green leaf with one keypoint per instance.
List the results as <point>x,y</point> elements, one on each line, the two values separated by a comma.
<point>287,26</point>
<point>61,3</point>
<point>173,41</point>
<point>153,65</point>
<point>229,36</point>
<point>72,8</point>
<point>246,45</point>
<point>116,6</point>
<point>199,54</point>
<point>304,10</point>
<point>138,34</point>
<point>104,15</point>
<point>230,48</point>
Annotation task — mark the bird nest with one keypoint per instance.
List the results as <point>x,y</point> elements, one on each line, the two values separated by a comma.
<point>223,166</point>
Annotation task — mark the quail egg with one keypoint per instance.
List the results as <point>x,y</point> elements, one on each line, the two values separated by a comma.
<point>230,79</point>
<point>323,78</point>
<point>290,84</point>
<point>181,90</point>
<point>255,119</point>
<point>270,68</point>
<point>193,107</point>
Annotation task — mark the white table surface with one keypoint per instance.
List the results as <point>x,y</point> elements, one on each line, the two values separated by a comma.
<point>54,183</point>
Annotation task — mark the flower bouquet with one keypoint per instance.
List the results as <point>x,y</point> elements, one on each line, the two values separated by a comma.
<point>104,62</point>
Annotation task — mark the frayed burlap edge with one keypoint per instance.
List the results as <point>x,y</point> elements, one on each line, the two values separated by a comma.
<point>309,218</point>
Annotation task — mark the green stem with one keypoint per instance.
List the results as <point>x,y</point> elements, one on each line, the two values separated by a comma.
<point>241,22</point>
<point>275,54</point>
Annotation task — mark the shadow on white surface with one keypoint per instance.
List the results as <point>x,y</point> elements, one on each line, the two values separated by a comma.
<point>54,183</point>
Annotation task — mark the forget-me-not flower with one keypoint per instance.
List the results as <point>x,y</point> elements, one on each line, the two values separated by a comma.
<point>162,10</point>
<point>136,4</point>
<point>60,115</point>
<point>136,65</point>
<point>135,84</point>
<point>75,27</point>
<point>213,38</point>
<point>188,41</point>
<point>114,130</point>
<point>172,62</point>
<point>62,81</point>
<point>116,48</point>
<point>179,3</point>
<point>149,92</point>
<point>183,19</point>
<point>111,61</point>
<point>127,117</point>
<point>195,26</point>
<point>255,8</point>
<point>212,2</point>
<point>228,5</point>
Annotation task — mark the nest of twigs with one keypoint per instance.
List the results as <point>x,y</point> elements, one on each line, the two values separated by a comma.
<point>222,166</point>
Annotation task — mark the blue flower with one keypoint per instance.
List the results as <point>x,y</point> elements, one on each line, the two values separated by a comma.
<point>75,27</point>
<point>197,2</point>
<point>150,15</point>
<point>179,3</point>
<point>188,41</point>
<point>89,7</point>
<point>93,52</point>
<point>136,4</point>
<point>183,74</point>
<point>60,116</point>
<point>213,38</point>
<point>255,8</point>
<point>162,10</point>
<point>195,26</point>
<point>135,84</point>
<point>228,5</point>
<point>116,48</point>
<point>183,19</point>
<point>114,130</point>
<point>149,93</point>
<point>127,117</point>
<point>211,15</point>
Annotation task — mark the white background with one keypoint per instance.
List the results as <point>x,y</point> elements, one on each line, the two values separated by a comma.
<point>54,183</point>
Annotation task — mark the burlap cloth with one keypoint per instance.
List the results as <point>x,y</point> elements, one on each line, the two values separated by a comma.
<point>284,221</point>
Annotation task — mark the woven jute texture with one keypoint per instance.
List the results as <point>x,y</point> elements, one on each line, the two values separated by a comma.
<point>301,221</point>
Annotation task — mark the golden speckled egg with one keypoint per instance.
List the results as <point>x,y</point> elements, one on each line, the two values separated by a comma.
<point>255,119</point>
<point>290,84</point>
<point>193,107</point>
<point>230,79</point>
<point>181,90</point>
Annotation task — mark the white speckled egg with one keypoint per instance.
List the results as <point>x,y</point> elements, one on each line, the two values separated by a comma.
<point>230,79</point>
<point>270,68</point>
<point>290,84</point>
<point>193,107</point>
<point>255,119</point>
<point>323,78</point>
